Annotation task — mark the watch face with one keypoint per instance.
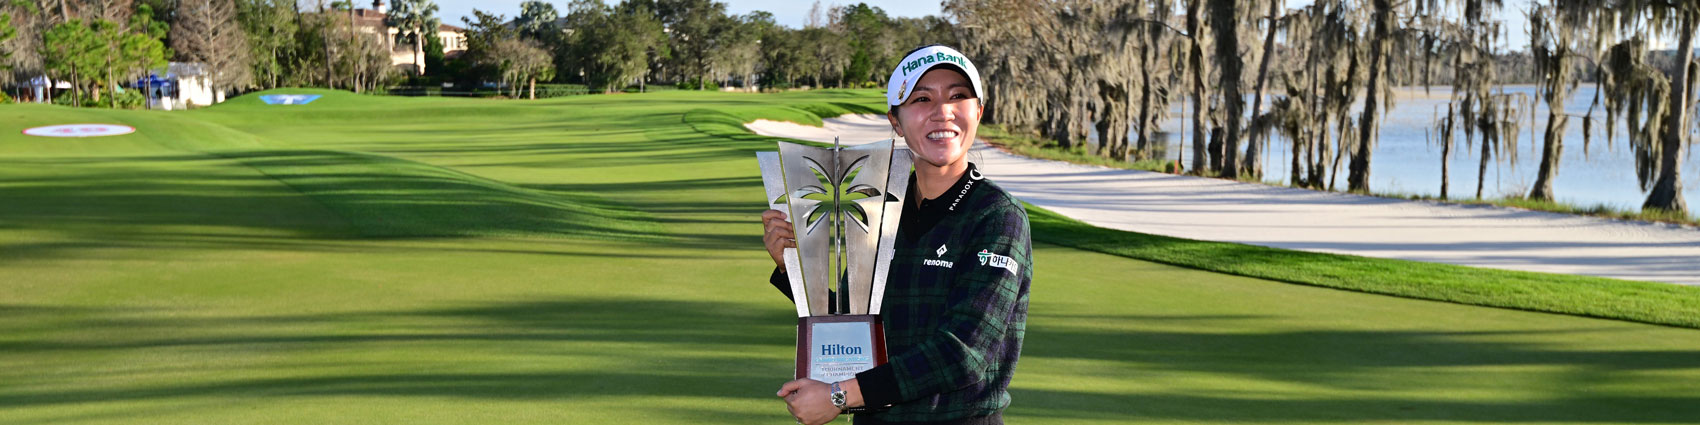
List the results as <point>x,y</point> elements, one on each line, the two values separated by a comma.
<point>837,396</point>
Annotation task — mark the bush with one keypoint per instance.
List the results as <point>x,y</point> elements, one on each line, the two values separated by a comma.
<point>65,99</point>
<point>1171,167</point>
<point>692,85</point>
<point>130,99</point>
<point>408,91</point>
<point>545,91</point>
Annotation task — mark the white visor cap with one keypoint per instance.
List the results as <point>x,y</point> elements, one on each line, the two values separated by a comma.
<point>910,70</point>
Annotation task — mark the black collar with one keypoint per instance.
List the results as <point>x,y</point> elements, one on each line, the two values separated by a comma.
<point>917,220</point>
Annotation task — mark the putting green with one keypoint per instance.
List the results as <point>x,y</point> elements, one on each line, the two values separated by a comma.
<point>595,259</point>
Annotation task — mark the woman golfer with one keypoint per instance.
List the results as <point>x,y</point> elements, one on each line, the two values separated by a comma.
<point>955,306</point>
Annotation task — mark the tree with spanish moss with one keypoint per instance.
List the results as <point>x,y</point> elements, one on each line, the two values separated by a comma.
<point>1655,104</point>
<point>1555,41</point>
<point>20,45</point>
<point>1384,23</point>
<point>206,32</point>
<point>1253,166</point>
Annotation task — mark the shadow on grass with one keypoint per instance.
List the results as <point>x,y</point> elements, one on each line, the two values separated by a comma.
<point>330,203</point>
<point>1351,376</point>
<point>655,348</point>
<point>662,142</point>
<point>116,202</point>
<point>1277,408</point>
<point>702,351</point>
<point>346,195</point>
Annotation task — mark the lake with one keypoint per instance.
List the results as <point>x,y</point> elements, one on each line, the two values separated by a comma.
<point>1406,162</point>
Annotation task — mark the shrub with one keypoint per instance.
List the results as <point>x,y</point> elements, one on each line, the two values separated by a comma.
<point>692,85</point>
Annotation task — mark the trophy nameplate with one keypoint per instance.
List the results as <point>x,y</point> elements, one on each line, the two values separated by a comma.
<point>843,205</point>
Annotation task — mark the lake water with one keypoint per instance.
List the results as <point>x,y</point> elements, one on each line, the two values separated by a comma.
<point>1406,162</point>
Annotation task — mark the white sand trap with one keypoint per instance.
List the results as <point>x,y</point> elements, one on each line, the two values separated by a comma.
<point>1220,210</point>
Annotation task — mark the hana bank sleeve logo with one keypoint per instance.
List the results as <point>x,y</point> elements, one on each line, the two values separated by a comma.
<point>289,99</point>
<point>987,258</point>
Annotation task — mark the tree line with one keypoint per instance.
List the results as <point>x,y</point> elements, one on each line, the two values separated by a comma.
<point>261,44</point>
<point>1321,76</point>
<point>690,43</point>
<point>98,45</point>
<point>102,43</point>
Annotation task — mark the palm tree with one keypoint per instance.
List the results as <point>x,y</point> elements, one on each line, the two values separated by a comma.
<point>413,20</point>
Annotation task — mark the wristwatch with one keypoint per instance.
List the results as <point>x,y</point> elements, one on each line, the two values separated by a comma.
<point>838,397</point>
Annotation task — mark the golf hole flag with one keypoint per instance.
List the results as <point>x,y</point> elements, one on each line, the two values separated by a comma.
<point>843,204</point>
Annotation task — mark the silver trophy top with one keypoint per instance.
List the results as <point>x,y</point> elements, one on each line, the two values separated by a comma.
<point>843,203</point>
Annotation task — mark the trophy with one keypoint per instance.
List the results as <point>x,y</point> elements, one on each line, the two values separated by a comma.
<point>843,203</point>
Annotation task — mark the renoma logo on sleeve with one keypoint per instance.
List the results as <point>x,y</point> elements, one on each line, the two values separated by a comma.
<point>987,258</point>
<point>940,263</point>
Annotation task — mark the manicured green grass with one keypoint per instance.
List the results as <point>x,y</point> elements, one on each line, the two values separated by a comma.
<point>1656,303</point>
<point>595,259</point>
<point>1603,211</point>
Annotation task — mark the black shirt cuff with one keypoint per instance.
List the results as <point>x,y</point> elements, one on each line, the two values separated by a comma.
<point>879,386</point>
<point>779,280</point>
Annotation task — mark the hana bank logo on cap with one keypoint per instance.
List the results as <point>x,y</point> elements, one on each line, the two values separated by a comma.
<point>912,67</point>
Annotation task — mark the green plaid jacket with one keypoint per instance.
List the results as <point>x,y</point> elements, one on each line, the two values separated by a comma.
<point>955,308</point>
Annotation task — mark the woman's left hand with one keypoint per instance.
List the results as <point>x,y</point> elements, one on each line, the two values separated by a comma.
<point>809,401</point>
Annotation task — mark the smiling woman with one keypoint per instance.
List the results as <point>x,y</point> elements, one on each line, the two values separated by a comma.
<point>956,299</point>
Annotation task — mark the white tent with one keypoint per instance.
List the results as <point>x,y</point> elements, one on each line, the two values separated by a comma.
<point>194,85</point>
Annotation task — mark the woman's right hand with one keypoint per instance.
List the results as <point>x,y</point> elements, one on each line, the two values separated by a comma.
<point>776,235</point>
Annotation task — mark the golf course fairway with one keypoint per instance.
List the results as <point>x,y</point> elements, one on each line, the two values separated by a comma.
<point>596,260</point>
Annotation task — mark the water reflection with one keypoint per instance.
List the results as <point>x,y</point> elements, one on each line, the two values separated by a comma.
<point>1406,162</point>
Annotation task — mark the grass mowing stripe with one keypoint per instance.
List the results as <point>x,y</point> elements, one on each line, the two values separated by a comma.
<point>1645,302</point>
<point>384,196</point>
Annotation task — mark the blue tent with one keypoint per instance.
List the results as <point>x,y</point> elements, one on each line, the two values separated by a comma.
<point>153,81</point>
